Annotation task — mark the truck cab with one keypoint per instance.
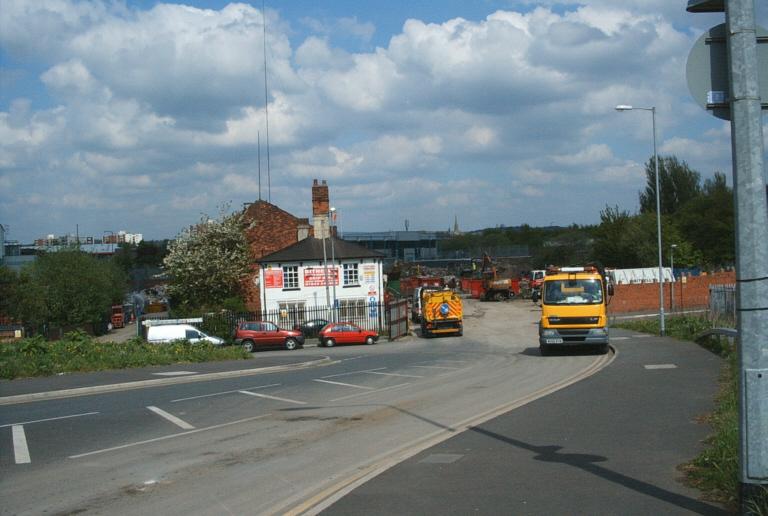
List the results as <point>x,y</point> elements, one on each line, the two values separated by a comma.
<point>574,309</point>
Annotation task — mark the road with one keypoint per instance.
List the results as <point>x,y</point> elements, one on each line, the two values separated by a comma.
<point>277,442</point>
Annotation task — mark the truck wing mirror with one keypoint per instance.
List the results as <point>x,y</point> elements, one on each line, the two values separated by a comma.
<point>610,289</point>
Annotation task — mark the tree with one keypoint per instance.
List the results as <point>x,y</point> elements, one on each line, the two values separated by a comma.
<point>678,182</point>
<point>206,262</point>
<point>614,245</point>
<point>708,222</point>
<point>68,288</point>
<point>8,288</point>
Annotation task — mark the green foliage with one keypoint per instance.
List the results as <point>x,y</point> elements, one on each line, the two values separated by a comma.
<point>679,184</point>
<point>207,262</point>
<point>9,281</point>
<point>698,220</point>
<point>67,288</point>
<point>79,352</point>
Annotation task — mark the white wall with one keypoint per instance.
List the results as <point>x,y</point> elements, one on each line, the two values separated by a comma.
<point>313,293</point>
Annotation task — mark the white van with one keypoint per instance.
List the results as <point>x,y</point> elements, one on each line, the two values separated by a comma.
<point>164,333</point>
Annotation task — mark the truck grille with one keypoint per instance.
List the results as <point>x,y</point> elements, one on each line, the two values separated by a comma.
<point>574,335</point>
<point>556,321</point>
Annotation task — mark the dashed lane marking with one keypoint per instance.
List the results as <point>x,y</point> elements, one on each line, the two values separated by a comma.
<point>172,436</point>
<point>395,374</point>
<point>20,448</point>
<point>276,398</point>
<point>353,372</point>
<point>175,373</point>
<point>661,366</point>
<point>48,419</point>
<point>345,384</point>
<point>366,393</point>
<point>225,392</point>
<point>170,417</point>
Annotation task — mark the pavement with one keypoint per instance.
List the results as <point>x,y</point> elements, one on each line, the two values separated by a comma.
<point>610,444</point>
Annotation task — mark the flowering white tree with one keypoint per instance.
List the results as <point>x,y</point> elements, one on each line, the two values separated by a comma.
<point>207,261</point>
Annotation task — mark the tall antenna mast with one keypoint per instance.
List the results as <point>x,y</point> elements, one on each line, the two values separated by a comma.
<point>258,154</point>
<point>266,101</point>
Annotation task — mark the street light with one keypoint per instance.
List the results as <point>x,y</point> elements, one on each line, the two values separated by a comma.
<point>672,266</point>
<point>325,270</point>
<point>624,107</point>
<point>333,260</point>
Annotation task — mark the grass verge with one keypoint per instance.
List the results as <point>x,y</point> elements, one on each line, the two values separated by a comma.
<point>78,352</point>
<point>715,471</point>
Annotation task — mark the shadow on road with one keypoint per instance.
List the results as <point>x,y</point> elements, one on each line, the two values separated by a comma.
<point>588,463</point>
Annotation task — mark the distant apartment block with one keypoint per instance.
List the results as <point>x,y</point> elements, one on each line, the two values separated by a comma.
<point>108,237</point>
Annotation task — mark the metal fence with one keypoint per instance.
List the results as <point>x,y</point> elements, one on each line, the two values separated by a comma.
<point>722,303</point>
<point>222,324</point>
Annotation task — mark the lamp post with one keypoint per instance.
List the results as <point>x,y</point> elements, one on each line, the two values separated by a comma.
<point>672,266</point>
<point>333,260</point>
<point>623,107</point>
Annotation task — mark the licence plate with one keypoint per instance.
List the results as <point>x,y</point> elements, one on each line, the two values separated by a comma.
<point>554,341</point>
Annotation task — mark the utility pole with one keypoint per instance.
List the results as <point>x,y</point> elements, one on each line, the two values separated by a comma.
<point>751,208</point>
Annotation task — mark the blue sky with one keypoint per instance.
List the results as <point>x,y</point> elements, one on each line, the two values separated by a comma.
<point>142,115</point>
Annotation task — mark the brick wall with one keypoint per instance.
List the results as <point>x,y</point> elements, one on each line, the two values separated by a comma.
<point>694,293</point>
<point>270,229</point>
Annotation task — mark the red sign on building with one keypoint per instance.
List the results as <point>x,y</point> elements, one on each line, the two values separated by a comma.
<point>315,276</point>
<point>273,278</point>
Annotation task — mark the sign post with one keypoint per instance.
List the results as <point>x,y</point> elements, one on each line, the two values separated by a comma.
<point>751,204</point>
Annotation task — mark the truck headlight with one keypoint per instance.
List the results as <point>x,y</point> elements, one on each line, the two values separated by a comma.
<point>599,331</point>
<point>549,333</point>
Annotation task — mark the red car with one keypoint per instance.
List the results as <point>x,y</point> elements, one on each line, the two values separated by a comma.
<point>261,334</point>
<point>346,333</point>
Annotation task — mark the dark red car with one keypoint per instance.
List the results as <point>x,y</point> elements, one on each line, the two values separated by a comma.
<point>263,334</point>
<point>346,333</point>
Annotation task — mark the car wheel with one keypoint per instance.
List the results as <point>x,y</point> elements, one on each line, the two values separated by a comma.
<point>329,343</point>
<point>369,341</point>
<point>291,344</point>
<point>498,296</point>
<point>545,350</point>
<point>603,349</point>
<point>248,346</point>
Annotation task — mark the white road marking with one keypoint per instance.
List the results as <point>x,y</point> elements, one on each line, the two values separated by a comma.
<point>395,374</point>
<point>20,448</point>
<point>249,393</point>
<point>661,366</point>
<point>619,338</point>
<point>352,358</point>
<point>353,372</point>
<point>345,384</point>
<point>48,419</point>
<point>224,392</point>
<point>170,417</point>
<point>375,391</point>
<point>643,336</point>
<point>175,373</point>
<point>172,436</point>
<point>434,367</point>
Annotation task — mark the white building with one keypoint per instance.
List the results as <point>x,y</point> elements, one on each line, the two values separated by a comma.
<point>294,279</point>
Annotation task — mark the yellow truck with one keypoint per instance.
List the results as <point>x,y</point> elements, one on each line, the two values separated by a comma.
<point>574,309</point>
<point>441,313</point>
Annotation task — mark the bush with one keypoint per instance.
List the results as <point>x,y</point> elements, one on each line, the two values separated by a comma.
<point>79,352</point>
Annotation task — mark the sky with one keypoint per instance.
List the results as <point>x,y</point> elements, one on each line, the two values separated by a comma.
<point>145,116</point>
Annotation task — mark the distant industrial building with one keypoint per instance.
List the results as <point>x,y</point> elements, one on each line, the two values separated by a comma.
<point>406,246</point>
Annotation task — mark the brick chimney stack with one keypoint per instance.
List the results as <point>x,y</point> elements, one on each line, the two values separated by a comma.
<point>320,208</point>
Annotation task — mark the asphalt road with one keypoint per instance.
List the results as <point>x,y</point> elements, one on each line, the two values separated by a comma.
<point>262,443</point>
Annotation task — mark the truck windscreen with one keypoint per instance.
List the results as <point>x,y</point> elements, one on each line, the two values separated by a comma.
<point>573,292</point>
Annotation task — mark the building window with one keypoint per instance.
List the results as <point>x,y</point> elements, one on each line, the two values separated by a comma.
<point>351,277</point>
<point>290,277</point>
<point>353,309</point>
<point>292,313</point>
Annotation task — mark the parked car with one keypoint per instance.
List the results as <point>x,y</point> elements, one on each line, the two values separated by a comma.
<point>165,333</point>
<point>262,334</point>
<point>311,328</point>
<point>346,333</point>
